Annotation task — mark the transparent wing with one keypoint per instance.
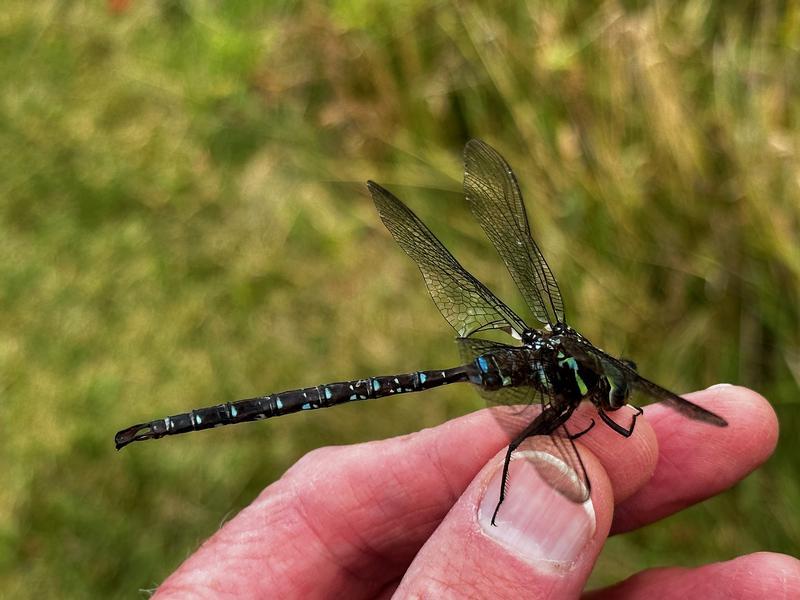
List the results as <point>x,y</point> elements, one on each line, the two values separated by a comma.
<point>519,398</point>
<point>604,364</point>
<point>516,408</point>
<point>463,300</point>
<point>556,458</point>
<point>496,201</point>
<point>572,482</point>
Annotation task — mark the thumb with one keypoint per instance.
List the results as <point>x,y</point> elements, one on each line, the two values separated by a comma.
<point>544,545</point>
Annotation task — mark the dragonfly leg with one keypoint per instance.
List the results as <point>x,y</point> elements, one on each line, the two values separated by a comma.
<point>547,421</point>
<point>616,426</point>
<point>575,436</point>
<point>504,480</point>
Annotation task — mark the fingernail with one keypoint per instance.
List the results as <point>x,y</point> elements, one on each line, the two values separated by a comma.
<point>535,521</point>
<point>719,385</point>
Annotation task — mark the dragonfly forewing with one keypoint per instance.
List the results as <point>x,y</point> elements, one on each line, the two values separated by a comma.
<point>493,194</point>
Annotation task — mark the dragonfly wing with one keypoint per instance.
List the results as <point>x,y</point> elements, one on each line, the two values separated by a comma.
<point>556,457</point>
<point>464,302</point>
<point>604,364</point>
<point>574,483</point>
<point>496,201</point>
<point>514,407</point>
<point>683,406</point>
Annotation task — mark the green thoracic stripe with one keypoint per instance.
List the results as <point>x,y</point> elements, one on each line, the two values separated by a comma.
<point>572,364</point>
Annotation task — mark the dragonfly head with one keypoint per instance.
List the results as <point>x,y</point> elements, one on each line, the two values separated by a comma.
<point>619,391</point>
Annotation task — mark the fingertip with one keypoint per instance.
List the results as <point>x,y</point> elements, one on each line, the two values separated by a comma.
<point>752,421</point>
<point>640,452</point>
<point>745,410</point>
<point>759,575</point>
<point>536,522</point>
<point>543,544</point>
<point>698,460</point>
<point>748,414</point>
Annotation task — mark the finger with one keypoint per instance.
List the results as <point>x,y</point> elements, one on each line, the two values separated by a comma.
<point>760,575</point>
<point>697,460</point>
<point>544,545</point>
<point>352,518</point>
<point>628,462</point>
<point>344,520</point>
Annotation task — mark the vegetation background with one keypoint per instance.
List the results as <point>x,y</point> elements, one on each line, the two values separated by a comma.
<point>184,222</point>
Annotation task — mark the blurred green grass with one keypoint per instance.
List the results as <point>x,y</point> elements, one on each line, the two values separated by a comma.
<point>184,222</point>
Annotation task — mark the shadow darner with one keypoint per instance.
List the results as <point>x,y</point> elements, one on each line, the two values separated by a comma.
<point>538,381</point>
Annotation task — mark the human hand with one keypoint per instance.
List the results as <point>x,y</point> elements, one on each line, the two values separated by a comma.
<point>409,516</point>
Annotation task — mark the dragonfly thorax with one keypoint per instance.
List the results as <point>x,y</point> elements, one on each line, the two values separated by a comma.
<point>542,365</point>
<point>530,336</point>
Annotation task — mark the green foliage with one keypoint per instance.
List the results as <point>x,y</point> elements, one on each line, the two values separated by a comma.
<point>183,222</point>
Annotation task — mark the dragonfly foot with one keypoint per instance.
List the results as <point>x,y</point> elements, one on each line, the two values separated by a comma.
<point>575,436</point>
<point>616,426</point>
<point>494,516</point>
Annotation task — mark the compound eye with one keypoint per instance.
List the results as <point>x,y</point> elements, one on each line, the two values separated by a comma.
<point>618,396</point>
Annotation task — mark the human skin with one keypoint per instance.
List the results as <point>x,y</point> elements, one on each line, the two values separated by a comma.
<point>409,516</point>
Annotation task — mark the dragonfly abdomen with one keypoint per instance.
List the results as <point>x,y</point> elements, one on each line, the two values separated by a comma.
<point>332,394</point>
<point>284,403</point>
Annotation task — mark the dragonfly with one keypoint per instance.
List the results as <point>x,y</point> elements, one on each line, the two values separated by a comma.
<point>537,380</point>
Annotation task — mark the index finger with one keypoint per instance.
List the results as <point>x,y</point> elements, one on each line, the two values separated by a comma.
<point>697,460</point>
<point>343,521</point>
